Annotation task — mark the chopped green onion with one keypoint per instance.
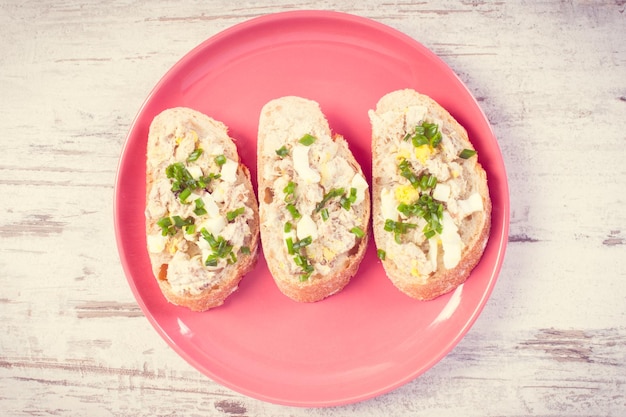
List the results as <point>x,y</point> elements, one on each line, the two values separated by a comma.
<point>358,232</point>
<point>165,222</point>
<point>282,152</point>
<point>287,227</point>
<point>178,221</point>
<point>305,277</point>
<point>352,196</point>
<point>428,209</point>
<point>245,250</point>
<point>289,191</point>
<point>419,140</point>
<point>232,215</point>
<point>194,155</point>
<point>398,228</point>
<point>324,213</point>
<point>381,254</point>
<point>303,243</point>
<point>407,172</point>
<point>289,242</point>
<point>199,210</point>
<point>184,194</point>
<point>424,134</point>
<point>220,247</point>
<point>467,153</point>
<point>430,129</point>
<point>169,225</point>
<point>294,211</point>
<point>345,202</point>
<point>211,260</point>
<point>232,258</point>
<point>220,160</point>
<point>166,226</point>
<point>307,140</point>
<point>335,192</point>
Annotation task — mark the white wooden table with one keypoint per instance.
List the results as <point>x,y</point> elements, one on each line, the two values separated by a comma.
<point>551,78</point>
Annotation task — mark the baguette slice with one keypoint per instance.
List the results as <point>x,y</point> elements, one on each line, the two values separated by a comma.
<point>312,170</point>
<point>200,261</point>
<point>422,266</point>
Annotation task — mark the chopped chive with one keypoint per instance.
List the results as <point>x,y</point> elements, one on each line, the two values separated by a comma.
<point>302,243</point>
<point>211,260</point>
<point>381,254</point>
<point>436,140</point>
<point>232,215</point>
<point>184,194</point>
<point>307,140</point>
<point>352,196</point>
<point>430,129</point>
<point>419,140</point>
<point>299,260</point>
<point>467,153</point>
<point>324,213</point>
<point>200,210</point>
<point>424,134</point>
<point>282,152</point>
<point>335,192</point>
<point>294,211</point>
<point>194,155</point>
<point>178,221</point>
<point>345,202</point>
<point>289,191</point>
<point>220,160</point>
<point>289,242</point>
<point>165,222</point>
<point>398,228</point>
<point>166,226</point>
<point>358,232</point>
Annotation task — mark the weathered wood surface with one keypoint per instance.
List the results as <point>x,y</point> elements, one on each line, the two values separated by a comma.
<point>551,77</point>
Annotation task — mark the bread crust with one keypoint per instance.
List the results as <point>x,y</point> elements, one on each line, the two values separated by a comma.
<point>474,229</point>
<point>161,140</point>
<point>283,121</point>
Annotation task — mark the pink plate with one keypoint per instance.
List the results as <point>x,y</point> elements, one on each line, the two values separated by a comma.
<point>369,338</point>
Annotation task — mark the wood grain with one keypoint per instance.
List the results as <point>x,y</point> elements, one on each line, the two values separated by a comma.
<point>549,76</point>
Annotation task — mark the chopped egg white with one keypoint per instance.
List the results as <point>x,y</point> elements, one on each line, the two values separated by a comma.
<point>213,225</point>
<point>359,183</point>
<point>415,115</point>
<point>306,227</point>
<point>300,155</point>
<point>441,192</point>
<point>195,171</point>
<point>433,251</point>
<point>156,243</point>
<point>451,242</point>
<point>229,171</point>
<point>472,204</point>
<point>210,206</point>
<point>219,192</point>
<point>388,205</point>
